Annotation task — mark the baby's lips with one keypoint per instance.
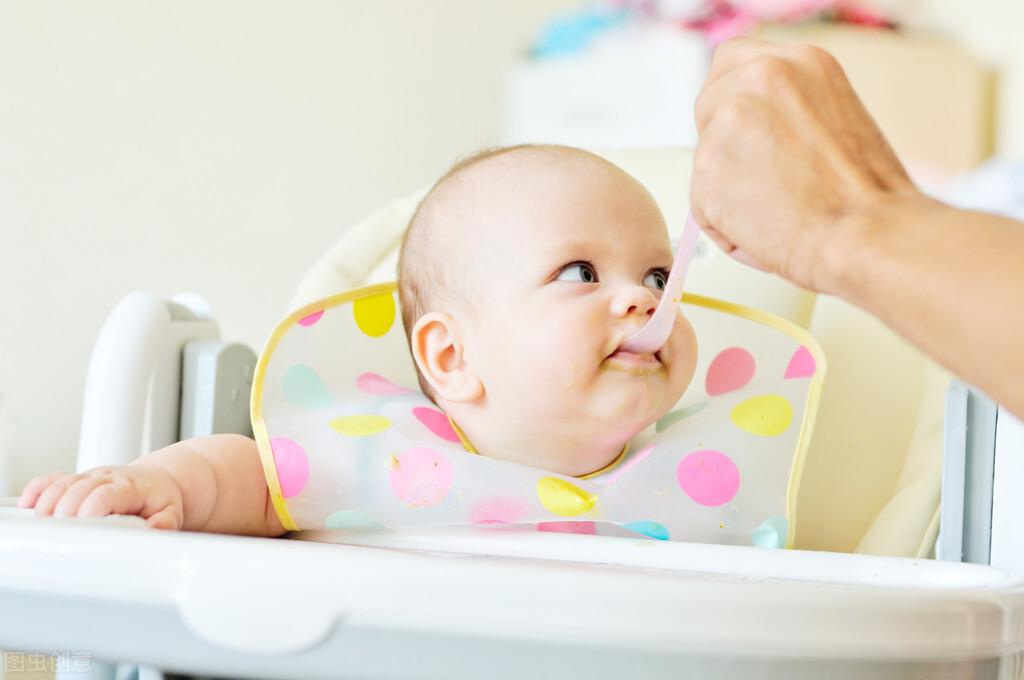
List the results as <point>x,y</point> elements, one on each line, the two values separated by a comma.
<point>631,356</point>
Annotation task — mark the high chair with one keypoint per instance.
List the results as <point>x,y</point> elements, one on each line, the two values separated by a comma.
<point>859,598</point>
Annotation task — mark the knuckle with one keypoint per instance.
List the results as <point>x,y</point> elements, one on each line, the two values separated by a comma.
<point>811,54</point>
<point>733,113</point>
<point>817,59</point>
<point>769,70</point>
<point>723,51</point>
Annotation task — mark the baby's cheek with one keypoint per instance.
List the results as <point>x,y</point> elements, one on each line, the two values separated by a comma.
<point>684,354</point>
<point>557,356</point>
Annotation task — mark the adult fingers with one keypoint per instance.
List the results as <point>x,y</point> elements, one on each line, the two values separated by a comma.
<point>743,90</point>
<point>746,258</point>
<point>722,242</point>
<point>739,51</point>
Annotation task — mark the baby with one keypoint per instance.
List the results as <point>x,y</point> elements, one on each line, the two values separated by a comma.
<point>521,273</point>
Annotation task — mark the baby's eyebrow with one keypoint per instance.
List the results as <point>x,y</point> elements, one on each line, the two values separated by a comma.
<point>573,248</point>
<point>587,250</point>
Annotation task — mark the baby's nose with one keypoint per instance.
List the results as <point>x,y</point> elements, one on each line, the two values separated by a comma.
<point>634,300</point>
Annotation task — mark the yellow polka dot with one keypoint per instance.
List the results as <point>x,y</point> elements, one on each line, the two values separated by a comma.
<point>767,415</point>
<point>375,314</point>
<point>564,499</point>
<point>360,426</point>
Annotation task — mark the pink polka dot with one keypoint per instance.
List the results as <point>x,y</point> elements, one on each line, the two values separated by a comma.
<point>587,528</point>
<point>730,370</point>
<point>709,477</point>
<point>371,383</point>
<point>292,465</point>
<point>311,319</point>
<point>497,511</point>
<point>801,364</point>
<point>420,477</point>
<point>436,422</point>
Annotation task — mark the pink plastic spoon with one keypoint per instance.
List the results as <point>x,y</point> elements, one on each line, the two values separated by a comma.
<point>655,332</point>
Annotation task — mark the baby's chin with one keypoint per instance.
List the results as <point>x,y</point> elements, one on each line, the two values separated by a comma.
<point>638,405</point>
<point>609,436</point>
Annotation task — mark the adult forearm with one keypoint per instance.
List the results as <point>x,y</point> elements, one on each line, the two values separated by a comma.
<point>951,281</point>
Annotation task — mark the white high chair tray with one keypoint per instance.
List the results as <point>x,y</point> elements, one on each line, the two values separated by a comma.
<point>542,605</point>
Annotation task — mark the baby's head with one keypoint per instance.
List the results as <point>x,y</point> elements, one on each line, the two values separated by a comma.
<point>522,271</point>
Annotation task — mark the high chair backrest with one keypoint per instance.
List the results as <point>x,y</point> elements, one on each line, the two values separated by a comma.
<point>873,473</point>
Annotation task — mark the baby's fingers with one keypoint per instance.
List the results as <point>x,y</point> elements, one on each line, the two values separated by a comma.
<point>30,494</point>
<point>52,494</point>
<point>116,498</point>
<point>72,498</point>
<point>165,519</point>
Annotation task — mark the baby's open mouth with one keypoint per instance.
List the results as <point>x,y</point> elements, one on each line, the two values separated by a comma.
<point>635,359</point>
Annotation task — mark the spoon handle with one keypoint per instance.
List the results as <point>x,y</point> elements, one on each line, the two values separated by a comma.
<point>656,331</point>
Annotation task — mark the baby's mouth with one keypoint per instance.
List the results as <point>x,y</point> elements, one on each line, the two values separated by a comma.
<point>635,359</point>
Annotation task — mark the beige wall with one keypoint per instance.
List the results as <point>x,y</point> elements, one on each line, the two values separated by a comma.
<point>992,30</point>
<point>214,147</point>
<point>219,146</point>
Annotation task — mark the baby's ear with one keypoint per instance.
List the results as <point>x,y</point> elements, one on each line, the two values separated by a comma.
<point>438,351</point>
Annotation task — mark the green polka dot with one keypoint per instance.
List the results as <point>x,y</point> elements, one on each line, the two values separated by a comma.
<point>303,387</point>
<point>673,417</point>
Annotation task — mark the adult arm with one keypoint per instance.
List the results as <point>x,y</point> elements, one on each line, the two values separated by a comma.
<point>792,176</point>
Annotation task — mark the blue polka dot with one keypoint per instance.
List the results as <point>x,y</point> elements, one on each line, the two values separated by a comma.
<point>349,519</point>
<point>648,528</point>
<point>771,534</point>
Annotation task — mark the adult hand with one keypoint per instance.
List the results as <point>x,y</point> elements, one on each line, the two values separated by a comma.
<point>792,176</point>
<point>786,153</point>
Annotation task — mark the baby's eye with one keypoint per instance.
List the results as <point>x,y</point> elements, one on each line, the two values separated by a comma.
<point>656,279</point>
<point>582,272</point>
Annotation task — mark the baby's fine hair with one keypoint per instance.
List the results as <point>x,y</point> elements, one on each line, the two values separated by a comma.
<point>423,279</point>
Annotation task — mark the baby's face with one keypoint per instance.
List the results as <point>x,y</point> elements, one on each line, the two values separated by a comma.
<point>572,261</point>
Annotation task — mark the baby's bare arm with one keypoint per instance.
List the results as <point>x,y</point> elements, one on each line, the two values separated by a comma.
<point>222,484</point>
<point>213,484</point>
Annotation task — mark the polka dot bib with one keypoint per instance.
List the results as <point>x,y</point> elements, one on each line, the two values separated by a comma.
<point>348,441</point>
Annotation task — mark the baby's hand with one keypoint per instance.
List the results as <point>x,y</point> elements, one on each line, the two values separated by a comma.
<point>149,492</point>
